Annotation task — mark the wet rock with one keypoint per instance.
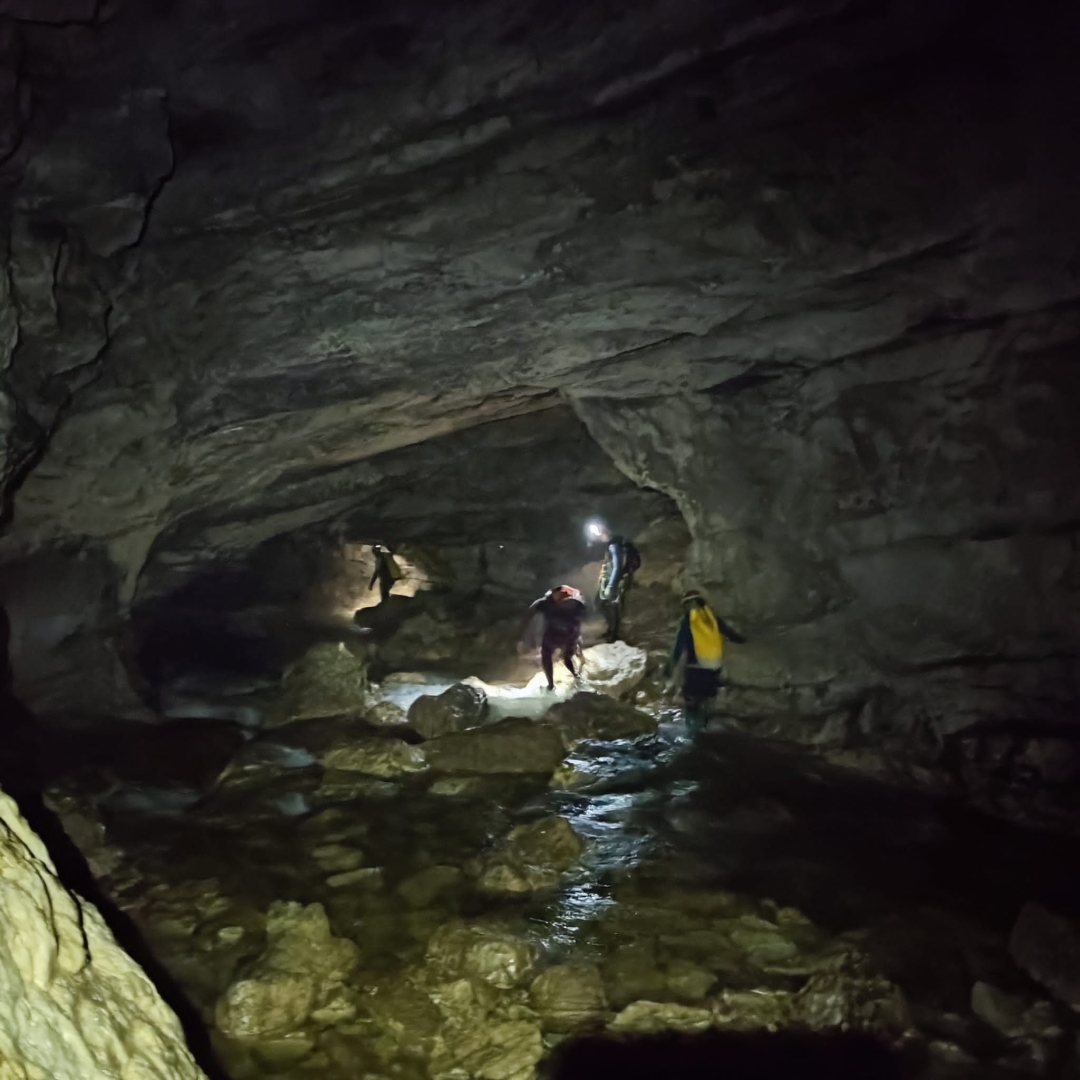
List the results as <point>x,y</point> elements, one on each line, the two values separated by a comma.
<point>551,841</point>
<point>302,965</point>
<point>260,762</point>
<point>335,858</point>
<point>386,714</point>
<point>847,995</point>
<point>327,680</point>
<point>633,972</point>
<point>533,857</point>
<point>457,786</point>
<point>369,877</point>
<point>429,638</point>
<point>499,1051</point>
<point>339,785</point>
<point>568,996</point>
<point>594,716</point>
<point>1013,1016</point>
<point>84,826</point>
<point>73,1005</point>
<point>614,668</point>
<point>427,886</point>
<point>488,953</point>
<point>762,941</point>
<point>457,709</point>
<point>376,757</point>
<point>278,1054</point>
<point>610,669</point>
<point>1047,946</point>
<point>511,746</point>
<point>753,1010</point>
<point>649,1017</point>
<point>405,1015</point>
<point>688,981</point>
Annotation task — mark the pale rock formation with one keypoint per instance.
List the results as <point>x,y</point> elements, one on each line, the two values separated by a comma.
<point>73,1004</point>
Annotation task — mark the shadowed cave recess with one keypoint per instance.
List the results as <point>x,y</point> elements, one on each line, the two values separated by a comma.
<point>785,291</point>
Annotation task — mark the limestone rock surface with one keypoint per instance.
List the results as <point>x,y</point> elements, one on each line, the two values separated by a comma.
<point>73,1005</point>
<point>303,963</point>
<point>327,681</point>
<point>568,996</point>
<point>595,716</point>
<point>510,746</point>
<point>382,757</point>
<point>488,953</point>
<point>379,271</point>
<point>1047,946</point>
<point>533,857</point>
<point>457,709</point>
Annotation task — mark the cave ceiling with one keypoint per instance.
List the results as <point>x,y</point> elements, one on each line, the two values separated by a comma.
<point>253,242</point>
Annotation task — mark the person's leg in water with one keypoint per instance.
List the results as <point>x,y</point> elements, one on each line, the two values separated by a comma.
<point>699,689</point>
<point>613,615</point>
<point>547,649</point>
<point>386,583</point>
<point>568,657</point>
<point>619,607</point>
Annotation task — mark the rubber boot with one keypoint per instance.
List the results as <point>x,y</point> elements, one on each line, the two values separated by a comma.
<point>696,718</point>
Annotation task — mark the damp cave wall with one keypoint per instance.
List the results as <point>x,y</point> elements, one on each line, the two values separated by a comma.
<point>809,270</point>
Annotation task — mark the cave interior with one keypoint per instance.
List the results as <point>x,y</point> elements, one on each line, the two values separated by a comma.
<point>786,292</point>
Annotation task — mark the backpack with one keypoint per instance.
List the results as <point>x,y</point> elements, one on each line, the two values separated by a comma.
<point>708,641</point>
<point>632,557</point>
<point>392,565</point>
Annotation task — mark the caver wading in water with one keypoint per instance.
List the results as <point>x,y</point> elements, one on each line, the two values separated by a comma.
<point>562,610</point>
<point>699,646</point>
<point>621,561</point>
<point>387,572</point>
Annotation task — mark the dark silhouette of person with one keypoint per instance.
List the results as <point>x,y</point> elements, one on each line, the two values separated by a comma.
<point>562,610</point>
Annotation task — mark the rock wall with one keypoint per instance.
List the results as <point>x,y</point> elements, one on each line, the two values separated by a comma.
<point>905,521</point>
<point>810,268</point>
<point>73,1005</point>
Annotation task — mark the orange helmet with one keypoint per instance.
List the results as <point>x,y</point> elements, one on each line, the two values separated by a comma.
<point>564,592</point>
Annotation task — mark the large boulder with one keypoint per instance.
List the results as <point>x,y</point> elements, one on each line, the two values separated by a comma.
<point>73,1004</point>
<point>595,716</point>
<point>846,994</point>
<point>533,857</point>
<point>568,996</point>
<point>490,954</point>
<point>385,714</point>
<point>511,746</point>
<point>651,1017</point>
<point>490,1051</point>
<point>1013,1016</point>
<point>375,757</point>
<point>1047,946</point>
<point>457,709</point>
<point>327,680</point>
<point>301,967</point>
<point>614,669</point>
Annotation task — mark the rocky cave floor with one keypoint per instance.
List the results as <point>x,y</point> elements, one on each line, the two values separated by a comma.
<point>339,897</point>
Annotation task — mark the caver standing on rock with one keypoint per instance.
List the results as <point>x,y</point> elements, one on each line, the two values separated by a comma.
<point>562,610</point>
<point>699,647</point>
<point>387,571</point>
<point>621,561</point>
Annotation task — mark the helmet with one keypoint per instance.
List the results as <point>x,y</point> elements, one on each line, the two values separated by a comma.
<point>692,597</point>
<point>563,592</point>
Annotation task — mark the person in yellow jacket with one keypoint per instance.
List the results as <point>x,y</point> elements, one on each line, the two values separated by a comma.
<point>386,573</point>
<point>699,645</point>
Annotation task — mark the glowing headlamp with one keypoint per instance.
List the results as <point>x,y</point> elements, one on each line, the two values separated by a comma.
<point>595,529</point>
